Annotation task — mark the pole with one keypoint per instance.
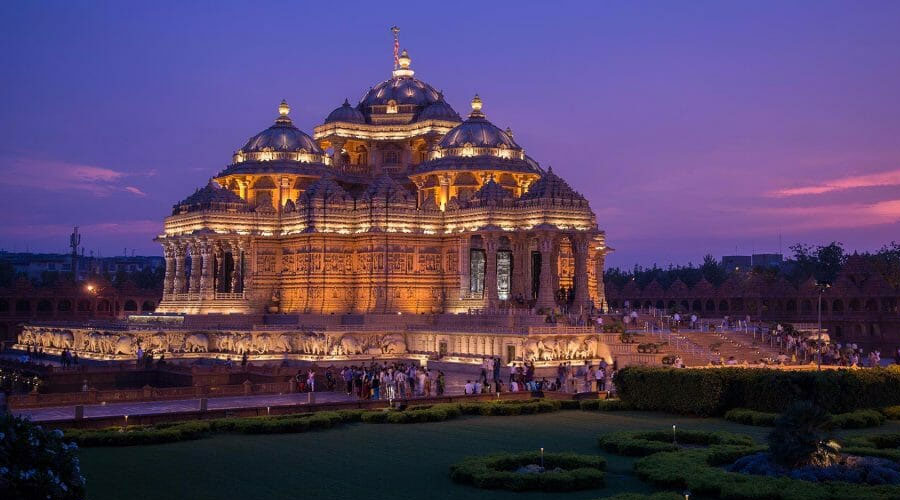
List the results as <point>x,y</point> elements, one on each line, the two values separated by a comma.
<point>819,337</point>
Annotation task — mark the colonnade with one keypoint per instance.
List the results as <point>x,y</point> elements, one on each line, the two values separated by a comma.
<point>522,249</point>
<point>216,266</point>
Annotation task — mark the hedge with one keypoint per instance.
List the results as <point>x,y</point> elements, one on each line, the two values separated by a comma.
<point>852,420</point>
<point>714,391</point>
<point>642,443</point>
<point>603,405</point>
<point>663,495</point>
<point>499,472</point>
<point>700,472</point>
<point>447,411</point>
<point>892,412</point>
<point>885,445</point>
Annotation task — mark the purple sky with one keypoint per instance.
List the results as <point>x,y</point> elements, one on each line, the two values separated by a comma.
<point>692,127</point>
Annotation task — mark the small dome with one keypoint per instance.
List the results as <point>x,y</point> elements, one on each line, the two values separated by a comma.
<point>346,113</point>
<point>283,136</point>
<point>477,132</point>
<point>212,196</point>
<point>491,191</point>
<point>552,186</point>
<point>439,110</point>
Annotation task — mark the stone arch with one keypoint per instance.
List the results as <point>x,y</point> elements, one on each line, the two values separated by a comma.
<point>130,306</point>
<point>806,306</point>
<point>64,305</point>
<point>84,305</point>
<point>660,304</point>
<point>837,307</point>
<point>44,306</point>
<point>723,305</point>
<point>148,306</point>
<point>791,306</point>
<point>4,305</point>
<point>697,305</point>
<point>854,305</point>
<point>871,305</point>
<point>710,305</point>
<point>103,305</point>
<point>23,306</point>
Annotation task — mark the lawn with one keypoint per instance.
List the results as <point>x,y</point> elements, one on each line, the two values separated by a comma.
<point>366,461</point>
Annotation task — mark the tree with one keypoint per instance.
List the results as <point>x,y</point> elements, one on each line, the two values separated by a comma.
<point>712,271</point>
<point>799,437</point>
<point>36,463</point>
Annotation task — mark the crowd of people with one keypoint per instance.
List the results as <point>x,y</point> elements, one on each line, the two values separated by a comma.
<point>386,381</point>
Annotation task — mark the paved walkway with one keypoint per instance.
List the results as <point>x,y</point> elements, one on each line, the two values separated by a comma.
<point>156,407</point>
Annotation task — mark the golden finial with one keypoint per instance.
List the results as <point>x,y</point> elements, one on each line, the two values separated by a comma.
<point>476,108</point>
<point>283,108</point>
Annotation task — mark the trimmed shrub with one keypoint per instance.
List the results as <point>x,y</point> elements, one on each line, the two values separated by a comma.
<point>892,412</point>
<point>36,462</point>
<point>663,495</point>
<point>642,443</point>
<point>885,445</point>
<point>603,405</point>
<point>858,419</point>
<point>499,472</point>
<point>569,404</point>
<point>118,436</point>
<point>717,390</point>
<point>751,417</point>
<point>700,472</point>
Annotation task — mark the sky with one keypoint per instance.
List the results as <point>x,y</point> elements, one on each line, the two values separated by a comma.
<point>692,127</point>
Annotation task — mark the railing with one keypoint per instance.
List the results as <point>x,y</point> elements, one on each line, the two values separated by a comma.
<point>229,295</point>
<point>562,330</point>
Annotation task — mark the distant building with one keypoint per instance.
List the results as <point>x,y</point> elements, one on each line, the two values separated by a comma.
<point>736,262</point>
<point>34,265</point>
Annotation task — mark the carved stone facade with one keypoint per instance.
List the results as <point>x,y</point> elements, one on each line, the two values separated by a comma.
<point>394,205</point>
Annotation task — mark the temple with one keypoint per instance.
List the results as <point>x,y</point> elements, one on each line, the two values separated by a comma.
<point>394,205</point>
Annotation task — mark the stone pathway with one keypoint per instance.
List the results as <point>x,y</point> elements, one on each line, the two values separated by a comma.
<point>156,407</point>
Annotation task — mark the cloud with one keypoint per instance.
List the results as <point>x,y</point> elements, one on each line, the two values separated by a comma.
<point>51,175</point>
<point>889,178</point>
<point>127,227</point>
<point>838,216</point>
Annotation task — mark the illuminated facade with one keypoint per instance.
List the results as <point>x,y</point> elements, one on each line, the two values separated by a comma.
<point>393,205</point>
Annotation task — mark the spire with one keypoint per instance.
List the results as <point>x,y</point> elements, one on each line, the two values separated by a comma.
<point>476,108</point>
<point>396,31</point>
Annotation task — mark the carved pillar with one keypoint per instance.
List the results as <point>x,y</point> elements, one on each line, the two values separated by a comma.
<point>178,282</point>
<point>490,271</point>
<point>169,281</point>
<point>464,270</point>
<point>219,269</point>
<point>546,291</point>
<point>196,268</point>
<point>444,195</point>
<point>580,280</point>
<point>206,275</point>
<point>337,159</point>
<point>237,255</point>
<point>599,264</point>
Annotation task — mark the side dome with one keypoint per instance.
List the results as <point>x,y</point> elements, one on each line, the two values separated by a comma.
<point>477,132</point>
<point>346,113</point>
<point>210,197</point>
<point>281,141</point>
<point>439,110</point>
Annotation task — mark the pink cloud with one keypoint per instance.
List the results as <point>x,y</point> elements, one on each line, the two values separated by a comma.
<point>50,175</point>
<point>889,178</point>
<point>839,216</point>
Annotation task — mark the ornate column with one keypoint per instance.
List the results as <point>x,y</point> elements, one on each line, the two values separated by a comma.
<point>169,281</point>
<point>490,271</point>
<point>444,195</point>
<point>196,267</point>
<point>336,159</point>
<point>219,266</point>
<point>206,277</point>
<point>237,261</point>
<point>464,267</point>
<point>599,264</point>
<point>178,282</point>
<point>546,292</point>
<point>580,280</point>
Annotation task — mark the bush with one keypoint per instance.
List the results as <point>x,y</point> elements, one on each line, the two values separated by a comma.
<point>36,463</point>
<point>717,390</point>
<point>892,412</point>
<point>499,472</point>
<point>699,471</point>
<point>137,435</point>
<point>751,417</point>
<point>853,420</point>
<point>603,405</point>
<point>642,443</point>
<point>663,495</point>
<point>858,419</point>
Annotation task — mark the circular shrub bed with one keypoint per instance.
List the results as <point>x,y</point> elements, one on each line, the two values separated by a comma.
<point>642,443</point>
<point>562,471</point>
<point>703,473</point>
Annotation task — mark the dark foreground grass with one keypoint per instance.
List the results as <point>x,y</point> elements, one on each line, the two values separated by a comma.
<point>369,462</point>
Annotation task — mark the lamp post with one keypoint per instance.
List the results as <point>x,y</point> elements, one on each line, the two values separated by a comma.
<point>822,286</point>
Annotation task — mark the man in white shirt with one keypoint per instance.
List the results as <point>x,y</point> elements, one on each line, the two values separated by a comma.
<point>470,387</point>
<point>477,388</point>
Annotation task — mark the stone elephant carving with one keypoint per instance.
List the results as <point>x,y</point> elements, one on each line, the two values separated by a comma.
<point>551,350</point>
<point>282,343</point>
<point>196,342</point>
<point>572,348</point>
<point>243,344</point>
<point>124,345</point>
<point>349,345</point>
<point>532,349</point>
<point>63,340</point>
<point>590,348</point>
<point>158,342</point>
<point>393,344</point>
<point>107,343</point>
<point>224,342</point>
<point>91,342</point>
<point>26,337</point>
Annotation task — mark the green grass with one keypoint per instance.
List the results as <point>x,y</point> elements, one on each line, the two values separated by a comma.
<point>373,461</point>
